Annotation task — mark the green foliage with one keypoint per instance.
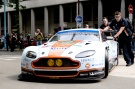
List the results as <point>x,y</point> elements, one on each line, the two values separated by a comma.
<point>15,5</point>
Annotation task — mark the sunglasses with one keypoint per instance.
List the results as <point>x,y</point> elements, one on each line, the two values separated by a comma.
<point>104,21</point>
<point>117,16</point>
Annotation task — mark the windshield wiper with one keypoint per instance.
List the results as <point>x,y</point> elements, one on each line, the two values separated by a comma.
<point>73,36</point>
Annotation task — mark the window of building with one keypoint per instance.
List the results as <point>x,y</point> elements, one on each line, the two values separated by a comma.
<point>67,14</point>
<point>73,13</point>
<point>56,14</point>
<point>109,9</point>
<point>87,12</point>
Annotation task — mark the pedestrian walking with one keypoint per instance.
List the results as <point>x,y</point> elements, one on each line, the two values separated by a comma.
<point>125,37</point>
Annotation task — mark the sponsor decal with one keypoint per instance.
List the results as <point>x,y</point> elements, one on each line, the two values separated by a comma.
<point>78,45</point>
<point>99,64</point>
<point>96,73</point>
<point>84,74</point>
<point>87,59</point>
<point>45,46</point>
<point>58,48</point>
<point>67,42</point>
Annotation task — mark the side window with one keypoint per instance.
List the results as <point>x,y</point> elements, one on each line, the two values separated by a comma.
<point>55,38</point>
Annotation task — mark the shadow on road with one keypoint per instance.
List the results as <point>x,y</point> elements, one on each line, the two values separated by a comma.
<point>62,81</point>
<point>56,81</point>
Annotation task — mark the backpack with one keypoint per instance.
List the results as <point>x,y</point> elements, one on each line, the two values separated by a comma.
<point>130,26</point>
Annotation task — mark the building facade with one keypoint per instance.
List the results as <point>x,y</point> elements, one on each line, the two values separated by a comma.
<point>48,15</point>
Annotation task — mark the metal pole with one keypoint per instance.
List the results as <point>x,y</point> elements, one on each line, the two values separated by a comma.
<point>4,23</point>
<point>78,7</point>
<point>78,11</point>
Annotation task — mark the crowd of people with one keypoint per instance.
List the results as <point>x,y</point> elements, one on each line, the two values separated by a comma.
<point>21,41</point>
<point>15,40</point>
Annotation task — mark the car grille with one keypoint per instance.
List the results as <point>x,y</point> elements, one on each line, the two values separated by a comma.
<point>66,63</point>
<point>56,73</point>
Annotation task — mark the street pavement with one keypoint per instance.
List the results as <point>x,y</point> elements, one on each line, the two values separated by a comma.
<point>121,70</point>
<point>121,77</point>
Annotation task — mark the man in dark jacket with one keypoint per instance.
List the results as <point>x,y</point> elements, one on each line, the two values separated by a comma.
<point>125,37</point>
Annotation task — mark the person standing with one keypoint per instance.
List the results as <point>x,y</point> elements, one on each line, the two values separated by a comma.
<point>13,42</point>
<point>2,41</point>
<point>39,37</point>
<point>7,41</point>
<point>86,26</point>
<point>105,24</point>
<point>28,37</point>
<point>125,37</point>
<point>21,42</point>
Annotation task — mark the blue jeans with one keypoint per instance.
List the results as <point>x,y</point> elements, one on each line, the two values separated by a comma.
<point>39,42</point>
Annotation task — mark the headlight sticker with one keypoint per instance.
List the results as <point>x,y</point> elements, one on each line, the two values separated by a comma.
<point>31,54</point>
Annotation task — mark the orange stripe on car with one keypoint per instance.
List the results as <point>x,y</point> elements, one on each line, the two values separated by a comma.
<point>59,47</point>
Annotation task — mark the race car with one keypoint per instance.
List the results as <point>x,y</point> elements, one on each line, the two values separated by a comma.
<point>71,54</point>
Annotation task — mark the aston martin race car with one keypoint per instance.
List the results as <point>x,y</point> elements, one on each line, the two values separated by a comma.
<point>71,54</point>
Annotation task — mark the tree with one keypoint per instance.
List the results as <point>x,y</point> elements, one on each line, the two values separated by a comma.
<point>15,5</point>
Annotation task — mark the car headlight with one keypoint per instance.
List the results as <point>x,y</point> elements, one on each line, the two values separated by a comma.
<point>31,54</point>
<point>85,54</point>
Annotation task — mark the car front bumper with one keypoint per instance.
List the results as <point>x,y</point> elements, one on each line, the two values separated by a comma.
<point>83,75</point>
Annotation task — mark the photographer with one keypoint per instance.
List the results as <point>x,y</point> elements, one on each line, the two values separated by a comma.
<point>39,37</point>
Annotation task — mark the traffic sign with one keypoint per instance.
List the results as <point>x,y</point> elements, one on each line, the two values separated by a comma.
<point>79,19</point>
<point>130,17</point>
<point>130,9</point>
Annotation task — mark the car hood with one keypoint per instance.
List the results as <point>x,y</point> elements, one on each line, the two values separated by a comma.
<point>66,48</point>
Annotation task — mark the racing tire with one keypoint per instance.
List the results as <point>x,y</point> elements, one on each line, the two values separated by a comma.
<point>24,77</point>
<point>106,70</point>
<point>117,59</point>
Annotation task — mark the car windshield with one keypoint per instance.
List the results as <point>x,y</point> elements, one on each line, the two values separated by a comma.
<point>76,35</point>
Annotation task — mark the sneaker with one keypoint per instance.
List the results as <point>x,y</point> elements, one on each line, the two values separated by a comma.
<point>128,64</point>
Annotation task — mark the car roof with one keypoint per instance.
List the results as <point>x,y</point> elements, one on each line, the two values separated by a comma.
<point>80,30</point>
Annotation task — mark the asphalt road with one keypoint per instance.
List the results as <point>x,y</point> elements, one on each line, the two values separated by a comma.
<point>121,77</point>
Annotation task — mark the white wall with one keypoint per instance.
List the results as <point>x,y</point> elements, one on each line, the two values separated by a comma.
<point>41,3</point>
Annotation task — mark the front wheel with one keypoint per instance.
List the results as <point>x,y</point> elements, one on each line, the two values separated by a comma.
<point>24,77</point>
<point>106,70</point>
